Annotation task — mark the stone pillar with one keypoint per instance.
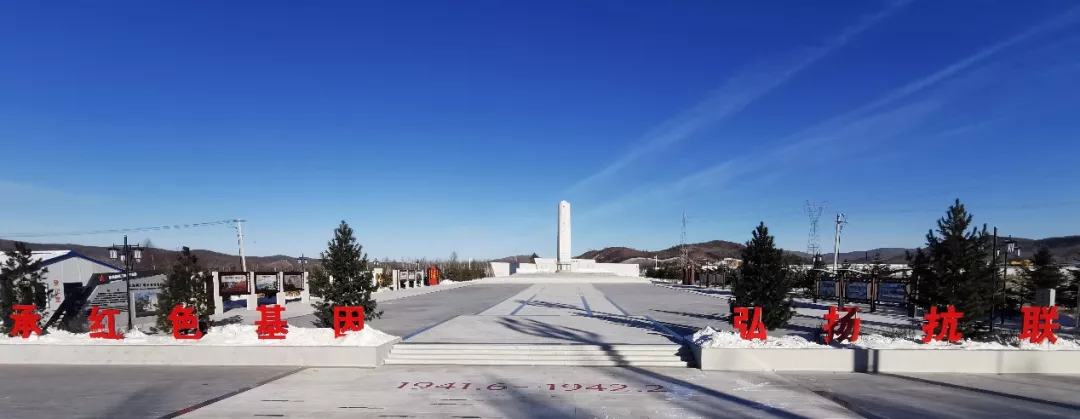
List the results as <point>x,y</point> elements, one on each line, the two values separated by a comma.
<point>280,289</point>
<point>394,278</point>
<point>252,299</point>
<point>305,293</point>
<point>219,306</point>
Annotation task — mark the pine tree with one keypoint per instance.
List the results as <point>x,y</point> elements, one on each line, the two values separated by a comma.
<point>186,284</point>
<point>1066,294</point>
<point>22,278</point>
<point>352,284</point>
<point>1042,273</point>
<point>954,269</point>
<point>763,280</point>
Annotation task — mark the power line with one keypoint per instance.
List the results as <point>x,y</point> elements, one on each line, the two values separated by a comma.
<point>120,230</point>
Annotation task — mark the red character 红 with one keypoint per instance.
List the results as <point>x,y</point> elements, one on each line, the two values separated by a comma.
<point>756,329</point>
<point>840,329</point>
<point>948,325</point>
<point>346,319</point>
<point>98,318</point>
<point>1039,324</point>
<point>183,318</point>
<point>270,325</point>
<point>26,320</point>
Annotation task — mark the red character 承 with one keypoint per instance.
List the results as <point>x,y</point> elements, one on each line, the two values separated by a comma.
<point>756,330</point>
<point>26,320</point>
<point>1039,324</point>
<point>842,328</point>
<point>947,323</point>
<point>270,324</point>
<point>346,319</point>
<point>99,318</point>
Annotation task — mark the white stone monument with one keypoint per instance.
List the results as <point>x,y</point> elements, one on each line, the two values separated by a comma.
<point>563,263</point>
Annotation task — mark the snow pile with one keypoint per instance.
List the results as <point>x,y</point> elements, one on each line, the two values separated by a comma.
<point>710,338</point>
<point>229,335</point>
<point>447,281</point>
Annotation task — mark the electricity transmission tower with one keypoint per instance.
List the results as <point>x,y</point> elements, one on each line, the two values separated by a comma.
<point>813,241</point>
<point>685,251</point>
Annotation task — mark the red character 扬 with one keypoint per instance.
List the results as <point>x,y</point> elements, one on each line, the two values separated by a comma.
<point>270,325</point>
<point>948,325</point>
<point>183,318</point>
<point>346,319</point>
<point>1039,324</point>
<point>26,320</point>
<point>756,329</point>
<point>98,318</point>
<point>845,328</point>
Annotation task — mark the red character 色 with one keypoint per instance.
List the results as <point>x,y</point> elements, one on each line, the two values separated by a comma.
<point>948,325</point>
<point>98,318</point>
<point>840,329</point>
<point>346,319</point>
<point>1039,324</point>
<point>270,325</point>
<point>26,320</point>
<point>756,329</point>
<point>183,318</point>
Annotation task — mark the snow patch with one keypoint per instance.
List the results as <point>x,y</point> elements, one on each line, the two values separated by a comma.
<point>228,335</point>
<point>710,338</point>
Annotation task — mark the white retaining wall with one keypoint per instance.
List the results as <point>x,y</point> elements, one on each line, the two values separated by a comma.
<point>888,360</point>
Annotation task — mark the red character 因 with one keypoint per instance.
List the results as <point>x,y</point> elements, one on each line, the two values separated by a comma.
<point>756,329</point>
<point>845,328</point>
<point>270,325</point>
<point>948,325</point>
<point>346,319</point>
<point>1039,324</point>
<point>183,318</point>
<point>98,318</point>
<point>26,320</point>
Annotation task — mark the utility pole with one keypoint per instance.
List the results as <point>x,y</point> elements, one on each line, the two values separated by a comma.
<point>685,255</point>
<point>240,240</point>
<point>836,258</point>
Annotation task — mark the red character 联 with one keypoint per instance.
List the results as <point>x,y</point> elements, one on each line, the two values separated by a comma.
<point>270,325</point>
<point>756,329</point>
<point>845,328</point>
<point>1039,324</point>
<point>948,325</point>
<point>346,319</point>
<point>98,318</point>
<point>183,318</point>
<point>26,320</point>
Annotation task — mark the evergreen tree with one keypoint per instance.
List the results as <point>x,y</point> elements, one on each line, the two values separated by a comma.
<point>1042,273</point>
<point>954,269</point>
<point>185,285</point>
<point>22,278</point>
<point>1066,294</point>
<point>763,280</point>
<point>345,261</point>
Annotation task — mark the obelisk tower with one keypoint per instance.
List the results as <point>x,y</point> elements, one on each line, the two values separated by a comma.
<point>564,237</point>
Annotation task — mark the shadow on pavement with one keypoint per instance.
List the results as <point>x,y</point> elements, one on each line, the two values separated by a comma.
<point>1071,406</point>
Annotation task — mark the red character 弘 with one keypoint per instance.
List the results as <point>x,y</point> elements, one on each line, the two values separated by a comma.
<point>840,329</point>
<point>346,319</point>
<point>756,329</point>
<point>948,325</point>
<point>26,320</point>
<point>1039,324</point>
<point>98,318</point>
<point>183,318</point>
<point>270,325</point>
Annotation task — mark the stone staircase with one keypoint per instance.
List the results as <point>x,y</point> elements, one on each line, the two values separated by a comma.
<point>670,355</point>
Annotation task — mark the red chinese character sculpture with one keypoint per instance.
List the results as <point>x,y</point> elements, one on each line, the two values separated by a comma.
<point>98,318</point>
<point>840,329</point>
<point>756,329</point>
<point>270,325</point>
<point>26,320</point>
<point>183,318</point>
<point>346,319</point>
<point>948,325</point>
<point>1039,324</point>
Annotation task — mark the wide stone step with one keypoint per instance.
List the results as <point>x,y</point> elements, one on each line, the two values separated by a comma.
<point>580,363</point>
<point>532,348</point>
<point>496,351</point>
<point>539,357</point>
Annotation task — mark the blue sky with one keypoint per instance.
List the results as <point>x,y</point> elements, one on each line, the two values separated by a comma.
<point>440,126</point>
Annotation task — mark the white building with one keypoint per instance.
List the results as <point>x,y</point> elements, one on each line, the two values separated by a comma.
<point>67,270</point>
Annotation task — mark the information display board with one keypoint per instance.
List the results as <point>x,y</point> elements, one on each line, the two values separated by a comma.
<point>826,289</point>
<point>294,281</point>
<point>858,291</point>
<point>892,292</point>
<point>234,283</point>
<point>266,283</point>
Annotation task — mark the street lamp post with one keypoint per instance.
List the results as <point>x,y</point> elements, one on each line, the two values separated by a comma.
<point>302,260</point>
<point>129,255</point>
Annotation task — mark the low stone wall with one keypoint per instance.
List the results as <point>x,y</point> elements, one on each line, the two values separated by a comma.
<point>888,360</point>
<point>308,356</point>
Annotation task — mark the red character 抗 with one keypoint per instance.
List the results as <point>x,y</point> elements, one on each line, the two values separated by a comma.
<point>948,325</point>
<point>756,329</point>
<point>1039,324</point>
<point>183,318</point>
<point>26,320</point>
<point>270,325</point>
<point>346,319</point>
<point>98,318</point>
<point>840,329</point>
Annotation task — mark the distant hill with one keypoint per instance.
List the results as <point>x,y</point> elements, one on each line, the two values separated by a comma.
<point>162,259</point>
